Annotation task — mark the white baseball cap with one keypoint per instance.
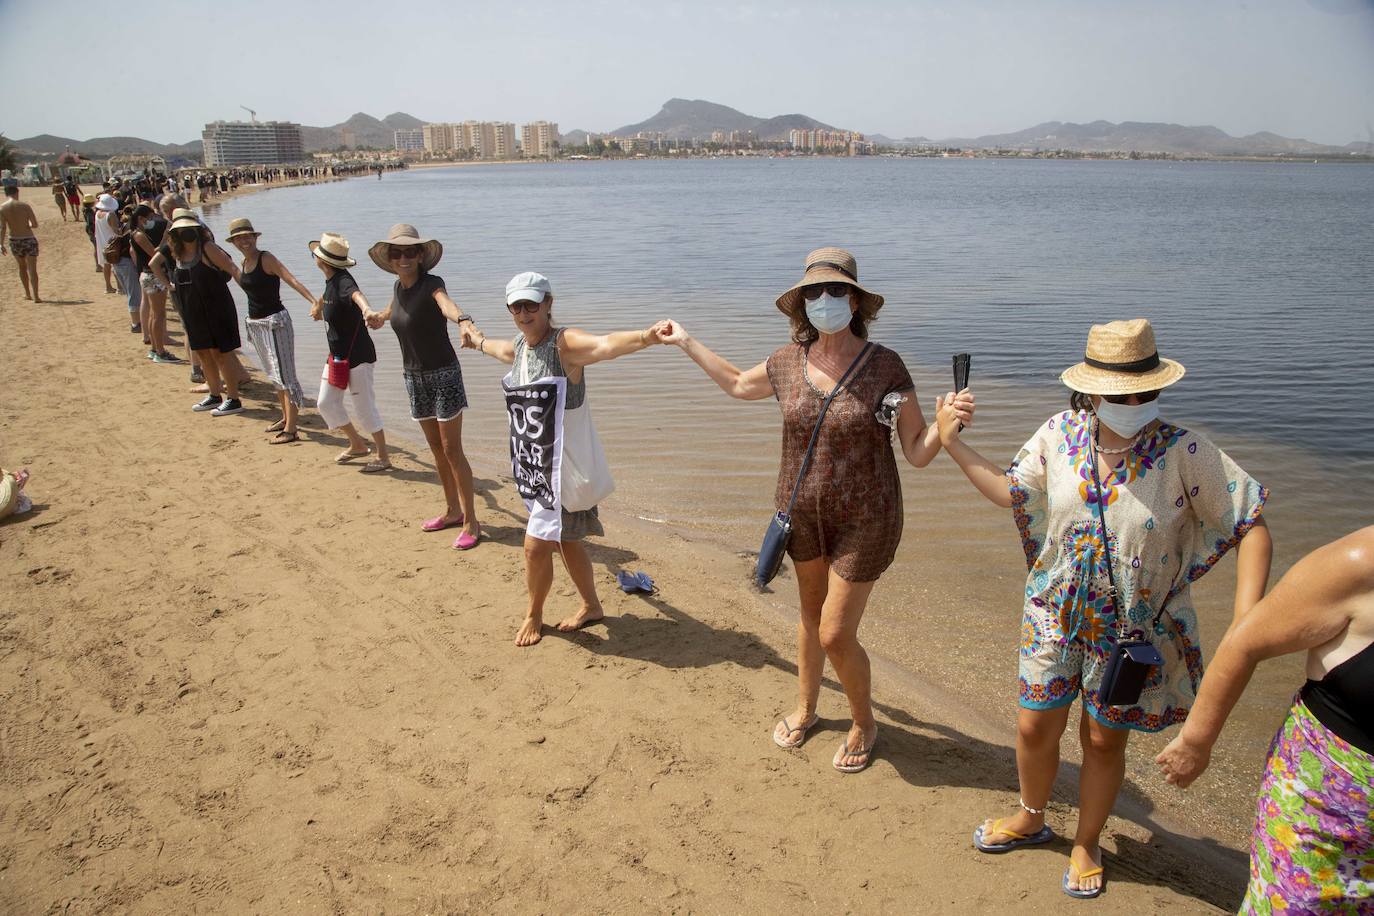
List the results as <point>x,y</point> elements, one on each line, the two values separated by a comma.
<point>528,286</point>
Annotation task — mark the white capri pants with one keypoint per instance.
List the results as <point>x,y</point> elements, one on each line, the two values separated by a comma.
<point>333,403</point>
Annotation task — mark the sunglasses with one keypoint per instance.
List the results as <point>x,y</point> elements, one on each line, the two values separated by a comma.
<point>814,291</point>
<point>186,235</point>
<point>397,252</point>
<point>524,305</point>
<point>1143,397</point>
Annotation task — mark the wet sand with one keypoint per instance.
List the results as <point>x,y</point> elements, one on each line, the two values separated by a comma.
<point>238,677</point>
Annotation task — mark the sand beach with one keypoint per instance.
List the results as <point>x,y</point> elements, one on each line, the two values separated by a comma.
<point>239,678</point>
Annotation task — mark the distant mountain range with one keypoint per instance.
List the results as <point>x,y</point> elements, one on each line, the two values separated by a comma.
<point>687,118</point>
<point>367,131</point>
<point>682,119</point>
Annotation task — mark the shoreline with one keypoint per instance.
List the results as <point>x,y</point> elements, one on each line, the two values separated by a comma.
<point>216,698</point>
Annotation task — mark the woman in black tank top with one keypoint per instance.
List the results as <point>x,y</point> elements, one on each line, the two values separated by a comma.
<point>269,323</point>
<point>148,230</point>
<point>1313,846</point>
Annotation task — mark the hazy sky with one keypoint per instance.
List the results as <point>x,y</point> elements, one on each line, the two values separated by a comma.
<point>1301,68</point>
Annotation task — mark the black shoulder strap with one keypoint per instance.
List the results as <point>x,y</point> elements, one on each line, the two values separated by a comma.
<point>816,431</point>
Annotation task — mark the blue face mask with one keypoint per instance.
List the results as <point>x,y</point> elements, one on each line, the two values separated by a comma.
<point>829,314</point>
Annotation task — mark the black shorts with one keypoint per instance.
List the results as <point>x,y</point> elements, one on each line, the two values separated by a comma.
<point>212,328</point>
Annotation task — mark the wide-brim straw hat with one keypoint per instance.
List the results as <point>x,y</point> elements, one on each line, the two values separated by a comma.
<point>184,219</point>
<point>828,265</point>
<point>1121,358</point>
<point>405,234</point>
<point>332,249</point>
<point>241,226</point>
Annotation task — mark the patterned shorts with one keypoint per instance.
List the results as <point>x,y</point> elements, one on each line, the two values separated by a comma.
<point>436,394</point>
<point>24,247</point>
<point>148,280</point>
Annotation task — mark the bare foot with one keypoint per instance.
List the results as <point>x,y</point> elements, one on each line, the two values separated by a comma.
<point>530,631</point>
<point>1022,822</point>
<point>198,389</point>
<point>581,618</point>
<point>1080,861</point>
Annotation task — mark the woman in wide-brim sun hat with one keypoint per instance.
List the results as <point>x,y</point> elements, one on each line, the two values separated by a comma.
<point>344,309</point>
<point>269,324</point>
<point>1172,504</point>
<point>419,310</point>
<point>847,512</point>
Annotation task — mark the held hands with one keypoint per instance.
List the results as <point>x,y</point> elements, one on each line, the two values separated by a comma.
<point>374,320</point>
<point>471,336</point>
<point>1182,762</point>
<point>952,411</point>
<point>317,310</point>
<point>658,332</point>
<point>673,333</point>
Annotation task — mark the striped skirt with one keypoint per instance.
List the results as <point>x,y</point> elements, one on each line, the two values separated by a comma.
<point>274,339</point>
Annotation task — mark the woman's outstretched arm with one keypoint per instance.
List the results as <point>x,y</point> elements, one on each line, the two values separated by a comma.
<point>744,384</point>
<point>1310,606</point>
<point>990,479</point>
<point>578,348</point>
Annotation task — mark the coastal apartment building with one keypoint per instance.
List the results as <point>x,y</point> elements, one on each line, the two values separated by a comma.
<point>538,139</point>
<point>409,139</point>
<point>830,141</point>
<point>252,143</point>
<point>483,139</point>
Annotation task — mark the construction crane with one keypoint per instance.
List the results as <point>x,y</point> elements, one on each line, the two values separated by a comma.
<point>251,113</point>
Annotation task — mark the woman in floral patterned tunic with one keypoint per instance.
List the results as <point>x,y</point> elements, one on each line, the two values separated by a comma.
<point>1173,505</point>
<point>1313,845</point>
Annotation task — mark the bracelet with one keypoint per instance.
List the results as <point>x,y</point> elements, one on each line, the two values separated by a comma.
<point>482,345</point>
<point>462,318</point>
<point>1029,808</point>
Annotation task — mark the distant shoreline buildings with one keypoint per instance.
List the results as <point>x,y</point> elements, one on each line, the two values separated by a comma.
<point>252,143</point>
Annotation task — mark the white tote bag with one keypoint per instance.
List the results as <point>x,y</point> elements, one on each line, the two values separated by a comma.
<point>585,479</point>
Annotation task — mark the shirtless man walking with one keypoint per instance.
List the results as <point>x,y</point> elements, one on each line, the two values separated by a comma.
<point>18,222</point>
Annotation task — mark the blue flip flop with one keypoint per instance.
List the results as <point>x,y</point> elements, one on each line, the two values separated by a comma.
<point>1080,893</point>
<point>1043,835</point>
<point>635,583</point>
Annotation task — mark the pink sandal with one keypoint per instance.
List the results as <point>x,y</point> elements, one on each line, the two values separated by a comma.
<point>467,541</point>
<point>440,522</point>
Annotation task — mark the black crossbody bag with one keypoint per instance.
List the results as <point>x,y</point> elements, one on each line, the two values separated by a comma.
<point>780,528</point>
<point>1133,657</point>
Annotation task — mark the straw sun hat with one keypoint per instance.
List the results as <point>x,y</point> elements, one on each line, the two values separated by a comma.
<point>828,265</point>
<point>332,249</point>
<point>405,234</point>
<point>184,219</point>
<point>1121,358</point>
<point>241,226</point>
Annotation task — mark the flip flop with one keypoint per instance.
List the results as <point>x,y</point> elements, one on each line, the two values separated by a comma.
<point>346,457</point>
<point>1079,892</point>
<point>865,752</point>
<point>1043,835</point>
<point>803,728</point>
<point>632,583</point>
<point>376,467</point>
<point>282,438</point>
<point>440,522</point>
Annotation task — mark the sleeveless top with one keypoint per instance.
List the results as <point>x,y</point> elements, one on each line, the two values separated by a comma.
<point>197,284</point>
<point>544,362</point>
<point>154,228</point>
<point>262,289</point>
<point>421,329</point>
<point>1343,701</point>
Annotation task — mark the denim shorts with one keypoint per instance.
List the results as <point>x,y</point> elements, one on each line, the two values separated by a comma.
<point>436,394</point>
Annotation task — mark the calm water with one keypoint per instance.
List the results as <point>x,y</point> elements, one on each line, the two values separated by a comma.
<point>1257,277</point>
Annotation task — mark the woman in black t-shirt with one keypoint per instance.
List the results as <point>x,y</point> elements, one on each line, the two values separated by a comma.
<point>419,307</point>
<point>344,308</point>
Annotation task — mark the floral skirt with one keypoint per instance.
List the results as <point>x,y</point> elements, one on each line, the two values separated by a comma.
<point>1313,848</point>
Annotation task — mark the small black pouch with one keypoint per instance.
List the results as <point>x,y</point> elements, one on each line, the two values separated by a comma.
<point>1128,668</point>
<point>779,532</point>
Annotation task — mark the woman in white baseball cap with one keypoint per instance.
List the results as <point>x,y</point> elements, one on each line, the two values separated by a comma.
<point>543,350</point>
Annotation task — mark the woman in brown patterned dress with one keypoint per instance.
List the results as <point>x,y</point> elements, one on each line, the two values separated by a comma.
<point>847,521</point>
